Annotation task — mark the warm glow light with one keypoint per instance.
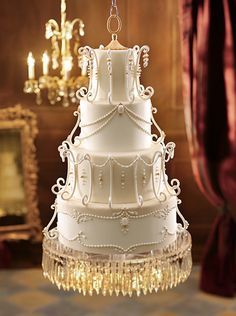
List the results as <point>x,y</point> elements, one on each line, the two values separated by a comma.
<point>65,42</point>
<point>67,66</point>
<point>30,59</point>
<point>31,66</point>
<point>143,274</point>
<point>45,61</point>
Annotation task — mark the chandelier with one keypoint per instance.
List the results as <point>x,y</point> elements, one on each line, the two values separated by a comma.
<point>116,212</point>
<point>64,57</point>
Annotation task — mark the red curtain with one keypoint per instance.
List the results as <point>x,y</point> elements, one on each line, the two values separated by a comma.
<point>5,256</point>
<point>209,77</point>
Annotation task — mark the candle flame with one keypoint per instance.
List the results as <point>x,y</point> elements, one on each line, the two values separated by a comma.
<point>45,58</point>
<point>67,63</point>
<point>30,59</point>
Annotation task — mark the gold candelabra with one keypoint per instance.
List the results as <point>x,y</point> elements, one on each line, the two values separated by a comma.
<point>64,53</point>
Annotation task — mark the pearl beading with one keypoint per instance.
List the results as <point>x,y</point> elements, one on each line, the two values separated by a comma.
<point>138,125</point>
<point>111,183</point>
<point>122,179</point>
<point>100,178</point>
<point>119,109</point>
<point>164,234</point>
<point>99,119</point>
<point>173,188</point>
<point>129,165</point>
<point>139,197</point>
<point>131,214</point>
<point>96,131</point>
<point>79,237</point>
<point>134,117</point>
<point>130,76</point>
<point>144,177</point>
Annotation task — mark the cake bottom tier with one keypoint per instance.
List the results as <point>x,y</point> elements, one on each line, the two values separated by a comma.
<point>118,274</point>
<point>122,230</point>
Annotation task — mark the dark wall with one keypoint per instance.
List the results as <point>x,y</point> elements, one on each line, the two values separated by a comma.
<point>152,22</point>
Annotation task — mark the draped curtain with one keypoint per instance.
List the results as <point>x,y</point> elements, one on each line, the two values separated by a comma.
<point>5,256</point>
<point>209,78</point>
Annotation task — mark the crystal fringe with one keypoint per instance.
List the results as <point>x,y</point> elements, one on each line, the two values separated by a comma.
<point>118,274</point>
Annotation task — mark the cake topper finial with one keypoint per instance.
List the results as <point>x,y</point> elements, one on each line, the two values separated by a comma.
<point>114,18</point>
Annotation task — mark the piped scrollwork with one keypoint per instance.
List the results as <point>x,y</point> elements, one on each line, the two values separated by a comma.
<point>89,93</point>
<point>144,93</point>
<point>162,135</point>
<point>66,188</point>
<point>130,76</point>
<point>71,136</point>
<point>51,233</point>
<point>169,151</point>
<point>59,186</point>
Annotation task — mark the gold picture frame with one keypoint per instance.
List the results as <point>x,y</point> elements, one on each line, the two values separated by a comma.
<point>21,124</point>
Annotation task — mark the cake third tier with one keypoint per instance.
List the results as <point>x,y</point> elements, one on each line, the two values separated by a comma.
<point>115,178</point>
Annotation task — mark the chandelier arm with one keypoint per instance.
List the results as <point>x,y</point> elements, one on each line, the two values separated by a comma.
<point>64,37</point>
<point>55,52</point>
<point>81,23</point>
<point>77,32</point>
<point>52,28</point>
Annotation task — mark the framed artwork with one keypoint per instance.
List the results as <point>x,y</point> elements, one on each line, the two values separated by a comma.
<point>19,214</point>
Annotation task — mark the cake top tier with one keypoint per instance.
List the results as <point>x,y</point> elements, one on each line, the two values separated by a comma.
<point>114,71</point>
<point>114,74</point>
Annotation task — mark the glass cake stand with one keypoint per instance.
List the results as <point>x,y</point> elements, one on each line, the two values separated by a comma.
<point>117,274</point>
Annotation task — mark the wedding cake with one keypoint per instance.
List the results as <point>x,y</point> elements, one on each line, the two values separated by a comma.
<point>116,202</point>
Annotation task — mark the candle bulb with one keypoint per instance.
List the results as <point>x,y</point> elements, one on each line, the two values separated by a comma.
<point>45,61</point>
<point>31,66</point>
<point>67,66</point>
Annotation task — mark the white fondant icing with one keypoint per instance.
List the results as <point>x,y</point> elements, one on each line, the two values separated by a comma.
<point>116,197</point>
<point>115,128</point>
<point>115,81</point>
<point>115,172</point>
<point>154,226</point>
<point>115,75</point>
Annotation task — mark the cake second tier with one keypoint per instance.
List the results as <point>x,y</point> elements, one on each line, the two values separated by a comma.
<point>119,128</point>
<point>115,178</point>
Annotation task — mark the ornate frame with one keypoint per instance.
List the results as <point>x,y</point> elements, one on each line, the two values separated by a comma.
<point>23,119</point>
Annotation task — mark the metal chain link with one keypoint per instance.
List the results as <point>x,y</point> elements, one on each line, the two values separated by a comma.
<point>114,9</point>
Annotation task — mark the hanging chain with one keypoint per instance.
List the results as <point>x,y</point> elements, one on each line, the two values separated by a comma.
<point>114,16</point>
<point>114,9</point>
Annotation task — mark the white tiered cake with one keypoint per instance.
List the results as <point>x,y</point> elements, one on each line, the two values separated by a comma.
<point>116,198</point>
